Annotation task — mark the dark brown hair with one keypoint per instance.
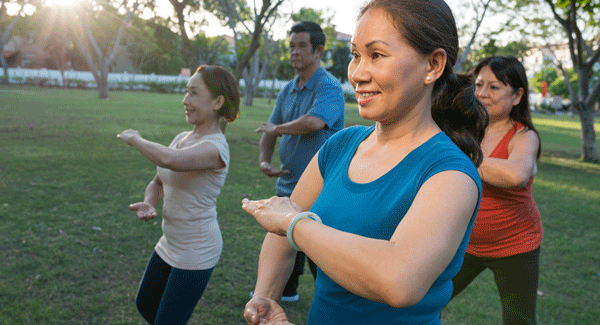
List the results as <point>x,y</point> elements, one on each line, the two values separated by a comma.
<point>511,72</point>
<point>221,82</point>
<point>428,25</point>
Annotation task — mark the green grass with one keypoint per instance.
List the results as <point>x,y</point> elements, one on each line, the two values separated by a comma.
<point>71,252</point>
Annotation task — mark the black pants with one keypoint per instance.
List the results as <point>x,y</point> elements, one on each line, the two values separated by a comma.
<point>516,278</point>
<point>292,285</point>
<point>168,295</point>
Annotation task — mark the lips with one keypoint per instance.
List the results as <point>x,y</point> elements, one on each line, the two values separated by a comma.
<point>364,97</point>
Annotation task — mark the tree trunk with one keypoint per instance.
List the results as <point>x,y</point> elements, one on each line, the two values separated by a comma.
<point>4,67</point>
<point>103,83</point>
<point>588,135</point>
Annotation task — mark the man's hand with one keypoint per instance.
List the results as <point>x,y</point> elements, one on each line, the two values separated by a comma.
<point>265,311</point>
<point>271,171</point>
<point>268,128</point>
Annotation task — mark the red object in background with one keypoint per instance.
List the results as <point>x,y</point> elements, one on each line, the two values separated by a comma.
<point>544,88</point>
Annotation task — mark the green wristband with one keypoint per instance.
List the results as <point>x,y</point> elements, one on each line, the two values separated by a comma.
<point>295,220</point>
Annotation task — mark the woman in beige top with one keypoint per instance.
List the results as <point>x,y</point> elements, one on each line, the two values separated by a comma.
<point>190,174</point>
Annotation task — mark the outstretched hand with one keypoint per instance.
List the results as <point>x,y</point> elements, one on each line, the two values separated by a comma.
<point>274,214</point>
<point>271,171</point>
<point>128,135</point>
<point>143,210</point>
<point>268,128</point>
<point>265,311</point>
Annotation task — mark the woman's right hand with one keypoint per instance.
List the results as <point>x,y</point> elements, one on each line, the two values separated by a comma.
<point>264,311</point>
<point>143,210</point>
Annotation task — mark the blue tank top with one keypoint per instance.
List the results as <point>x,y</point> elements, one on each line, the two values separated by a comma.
<point>374,210</point>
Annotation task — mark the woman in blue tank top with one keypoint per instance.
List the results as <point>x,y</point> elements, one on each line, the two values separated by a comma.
<point>389,207</point>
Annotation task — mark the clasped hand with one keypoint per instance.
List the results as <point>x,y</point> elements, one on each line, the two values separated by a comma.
<point>265,311</point>
<point>273,214</point>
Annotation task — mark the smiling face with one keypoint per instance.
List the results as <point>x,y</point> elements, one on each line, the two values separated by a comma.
<point>387,74</point>
<point>497,97</point>
<point>200,107</point>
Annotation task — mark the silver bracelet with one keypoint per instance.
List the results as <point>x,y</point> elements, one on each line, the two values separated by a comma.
<point>295,220</point>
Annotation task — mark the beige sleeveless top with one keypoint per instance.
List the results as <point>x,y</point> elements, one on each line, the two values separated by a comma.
<point>191,236</point>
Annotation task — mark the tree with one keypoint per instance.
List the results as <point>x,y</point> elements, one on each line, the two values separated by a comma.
<point>210,50</point>
<point>573,15</point>
<point>517,49</point>
<point>340,57</point>
<point>480,10</point>
<point>55,36</point>
<point>5,32</point>
<point>255,71</point>
<point>155,48</point>
<point>556,81</point>
<point>238,14</point>
<point>95,42</point>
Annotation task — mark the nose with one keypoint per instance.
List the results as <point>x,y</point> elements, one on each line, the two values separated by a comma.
<point>481,91</point>
<point>185,99</point>
<point>358,72</point>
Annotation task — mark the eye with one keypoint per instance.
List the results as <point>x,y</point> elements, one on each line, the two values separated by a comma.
<point>376,55</point>
<point>355,55</point>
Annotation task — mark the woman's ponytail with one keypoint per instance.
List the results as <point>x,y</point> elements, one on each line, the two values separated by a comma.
<point>459,113</point>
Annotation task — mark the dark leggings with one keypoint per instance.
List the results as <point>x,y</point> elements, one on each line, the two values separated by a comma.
<point>168,295</point>
<point>291,286</point>
<point>516,278</point>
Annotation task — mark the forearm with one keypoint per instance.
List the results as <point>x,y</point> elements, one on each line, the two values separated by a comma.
<point>266,147</point>
<point>361,265</point>
<point>275,265</point>
<point>302,125</point>
<point>154,192</point>
<point>504,173</point>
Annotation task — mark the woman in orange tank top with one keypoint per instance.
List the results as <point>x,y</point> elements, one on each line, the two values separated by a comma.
<point>508,232</point>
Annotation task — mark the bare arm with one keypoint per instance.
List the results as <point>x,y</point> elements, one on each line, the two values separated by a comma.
<point>267,146</point>
<point>154,191</point>
<point>398,272</point>
<point>200,156</point>
<point>276,256</point>
<point>302,125</point>
<point>518,168</point>
<point>146,210</point>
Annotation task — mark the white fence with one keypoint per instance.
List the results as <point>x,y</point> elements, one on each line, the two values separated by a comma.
<point>86,79</point>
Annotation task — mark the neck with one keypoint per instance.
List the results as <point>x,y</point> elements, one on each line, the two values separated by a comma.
<point>499,124</point>
<point>408,129</point>
<point>305,74</point>
<point>206,128</point>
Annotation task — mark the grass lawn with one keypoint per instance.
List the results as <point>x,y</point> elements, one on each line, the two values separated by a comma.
<point>72,253</point>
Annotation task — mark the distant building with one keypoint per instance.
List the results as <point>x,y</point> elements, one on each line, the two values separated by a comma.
<point>540,57</point>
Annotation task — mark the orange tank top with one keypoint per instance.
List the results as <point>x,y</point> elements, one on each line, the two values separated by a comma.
<point>508,221</point>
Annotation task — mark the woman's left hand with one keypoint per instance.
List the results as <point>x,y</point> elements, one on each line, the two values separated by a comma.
<point>128,135</point>
<point>274,214</point>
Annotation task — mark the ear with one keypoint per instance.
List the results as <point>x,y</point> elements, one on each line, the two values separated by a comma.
<point>435,67</point>
<point>218,102</point>
<point>319,50</point>
<point>518,95</point>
